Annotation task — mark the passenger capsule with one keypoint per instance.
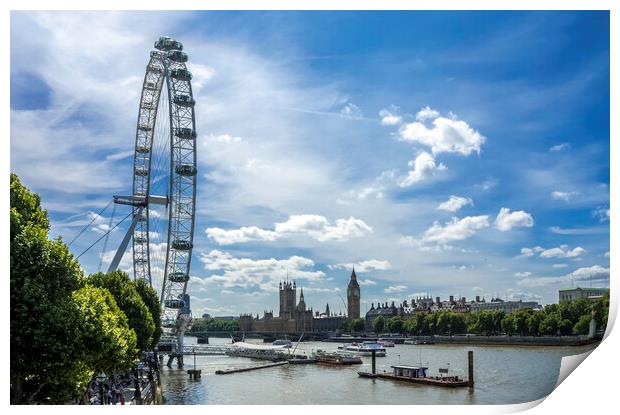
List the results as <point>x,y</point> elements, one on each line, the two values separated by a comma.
<point>185,133</point>
<point>144,128</point>
<point>139,240</point>
<point>185,170</point>
<point>168,43</point>
<point>174,303</point>
<point>154,69</point>
<point>178,277</point>
<point>177,56</point>
<point>181,74</point>
<point>168,323</point>
<point>184,100</point>
<point>141,171</point>
<point>142,149</point>
<point>181,245</point>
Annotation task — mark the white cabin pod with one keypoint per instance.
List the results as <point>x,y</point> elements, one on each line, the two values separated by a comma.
<point>184,100</point>
<point>185,133</point>
<point>168,43</point>
<point>181,245</point>
<point>178,277</point>
<point>186,170</point>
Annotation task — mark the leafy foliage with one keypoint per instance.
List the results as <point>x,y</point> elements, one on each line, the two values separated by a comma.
<point>357,325</point>
<point>210,324</point>
<point>130,302</point>
<point>104,330</point>
<point>149,296</point>
<point>53,355</point>
<point>378,324</point>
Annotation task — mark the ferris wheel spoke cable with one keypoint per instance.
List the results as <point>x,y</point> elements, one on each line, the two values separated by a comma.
<point>105,234</point>
<point>90,223</point>
<point>105,242</point>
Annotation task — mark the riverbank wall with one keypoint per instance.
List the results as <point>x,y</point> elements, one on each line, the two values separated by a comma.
<point>476,340</point>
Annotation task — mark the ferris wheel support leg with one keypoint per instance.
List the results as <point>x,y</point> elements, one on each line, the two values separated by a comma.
<point>180,336</point>
<point>123,246</point>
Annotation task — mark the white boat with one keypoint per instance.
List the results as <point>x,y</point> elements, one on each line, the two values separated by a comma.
<point>365,349</point>
<point>386,343</point>
<point>283,343</point>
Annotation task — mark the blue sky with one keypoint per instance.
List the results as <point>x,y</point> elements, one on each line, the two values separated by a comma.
<point>448,153</point>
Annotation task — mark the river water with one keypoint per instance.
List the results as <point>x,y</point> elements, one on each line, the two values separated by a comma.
<point>503,375</point>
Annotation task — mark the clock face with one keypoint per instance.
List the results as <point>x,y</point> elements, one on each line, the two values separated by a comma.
<point>354,292</point>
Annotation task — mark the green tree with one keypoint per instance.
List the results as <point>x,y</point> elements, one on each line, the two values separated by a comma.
<point>550,324</point>
<point>565,327</point>
<point>458,324</point>
<point>395,325</point>
<point>104,331</point>
<point>601,311</point>
<point>43,274</point>
<point>52,354</point>
<point>583,325</point>
<point>149,296</point>
<point>379,324</point>
<point>533,322</point>
<point>520,321</point>
<point>128,300</point>
<point>357,325</point>
<point>508,324</point>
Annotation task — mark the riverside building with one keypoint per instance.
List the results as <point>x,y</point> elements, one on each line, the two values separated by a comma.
<point>295,317</point>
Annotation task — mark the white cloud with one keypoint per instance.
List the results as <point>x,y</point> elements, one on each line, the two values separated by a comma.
<point>477,289</point>
<point>565,196</point>
<point>320,229</point>
<point>389,116</point>
<point>602,213</point>
<point>223,138</point>
<point>446,136</point>
<point>395,289</point>
<point>562,252</point>
<point>314,226</point>
<point>423,167</point>
<point>243,234</point>
<point>364,266</point>
<point>454,203</point>
<point>507,220</point>
<point>262,274</point>
<point>606,254</point>
<point>456,229</point>
<point>426,113</point>
<point>351,111</point>
<point>516,295</point>
<point>595,273</point>
<point>366,281</point>
<point>523,274</point>
<point>559,147</point>
<point>559,265</point>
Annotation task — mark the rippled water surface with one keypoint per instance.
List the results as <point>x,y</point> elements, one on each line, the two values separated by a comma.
<point>503,375</point>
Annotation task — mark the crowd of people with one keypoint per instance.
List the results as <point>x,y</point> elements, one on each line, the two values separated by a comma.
<point>110,391</point>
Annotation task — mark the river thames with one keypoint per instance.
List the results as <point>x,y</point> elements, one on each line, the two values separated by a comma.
<point>503,375</point>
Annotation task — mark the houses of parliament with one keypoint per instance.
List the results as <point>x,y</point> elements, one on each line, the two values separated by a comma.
<point>295,317</point>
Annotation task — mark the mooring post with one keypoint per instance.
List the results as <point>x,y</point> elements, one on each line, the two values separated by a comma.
<point>470,367</point>
<point>374,361</point>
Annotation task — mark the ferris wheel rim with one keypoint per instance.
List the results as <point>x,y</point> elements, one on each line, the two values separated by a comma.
<point>167,67</point>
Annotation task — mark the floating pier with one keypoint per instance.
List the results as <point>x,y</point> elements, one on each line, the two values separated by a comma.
<point>417,374</point>
<point>247,369</point>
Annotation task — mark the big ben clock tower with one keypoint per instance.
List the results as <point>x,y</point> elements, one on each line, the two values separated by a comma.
<point>353,297</point>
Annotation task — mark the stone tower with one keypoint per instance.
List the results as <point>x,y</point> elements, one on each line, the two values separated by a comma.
<point>353,296</point>
<point>288,297</point>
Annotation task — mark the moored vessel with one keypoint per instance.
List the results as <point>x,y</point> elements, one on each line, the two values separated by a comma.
<point>336,358</point>
<point>365,348</point>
